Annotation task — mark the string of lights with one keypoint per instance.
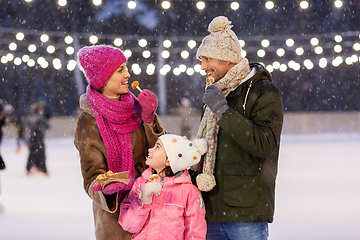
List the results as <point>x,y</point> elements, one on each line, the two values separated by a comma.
<point>46,48</point>
<point>234,5</point>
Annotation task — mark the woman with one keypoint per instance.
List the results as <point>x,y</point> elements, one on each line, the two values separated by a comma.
<point>113,133</point>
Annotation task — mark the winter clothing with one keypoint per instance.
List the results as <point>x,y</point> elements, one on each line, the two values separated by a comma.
<point>148,190</point>
<point>111,188</point>
<point>209,128</point>
<point>36,124</point>
<point>181,152</point>
<point>123,117</point>
<point>5,110</point>
<point>244,140</point>
<point>99,63</point>
<point>148,102</point>
<point>2,163</point>
<point>221,43</point>
<point>247,152</point>
<point>176,213</point>
<point>93,160</point>
<point>215,100</point>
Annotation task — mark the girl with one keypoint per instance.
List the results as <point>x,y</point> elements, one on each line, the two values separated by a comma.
<point>113,133</point>
<point>169,207</point>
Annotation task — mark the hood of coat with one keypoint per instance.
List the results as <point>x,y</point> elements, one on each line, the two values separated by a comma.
<point>84,105</point>
<point>261,72</point>
<point>258,72</point>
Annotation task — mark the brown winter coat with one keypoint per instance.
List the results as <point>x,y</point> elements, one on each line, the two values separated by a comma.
<point>93,162</point>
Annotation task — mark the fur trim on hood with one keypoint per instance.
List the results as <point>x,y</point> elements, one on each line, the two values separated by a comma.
<point>85,106</point>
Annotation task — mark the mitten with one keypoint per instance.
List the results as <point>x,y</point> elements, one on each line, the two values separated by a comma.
<point>110,188</point>
<point>148,190</point>
<point>149,103</point>
<point>215,100</point>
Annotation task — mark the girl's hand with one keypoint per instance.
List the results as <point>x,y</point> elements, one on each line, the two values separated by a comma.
<point>148,190</point>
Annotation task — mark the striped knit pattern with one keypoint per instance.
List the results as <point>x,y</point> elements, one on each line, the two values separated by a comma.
<point>209,128</point>
<point>116,120</point>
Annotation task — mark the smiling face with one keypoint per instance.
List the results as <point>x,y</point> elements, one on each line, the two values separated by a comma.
<point>157,158</point>
<point>117,83</point>
<point>215,68</point>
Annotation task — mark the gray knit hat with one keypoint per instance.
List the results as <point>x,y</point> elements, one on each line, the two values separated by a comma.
<point>221,43</point>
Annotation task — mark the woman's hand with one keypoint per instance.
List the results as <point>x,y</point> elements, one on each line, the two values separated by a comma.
<point>149,103</point>
<point>110,188</point>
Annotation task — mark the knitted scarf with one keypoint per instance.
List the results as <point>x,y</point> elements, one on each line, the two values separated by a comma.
<point>209,128</point>
<point>116,120</point>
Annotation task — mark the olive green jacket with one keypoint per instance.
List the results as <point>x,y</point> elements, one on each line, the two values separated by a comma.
<point>247,153</point>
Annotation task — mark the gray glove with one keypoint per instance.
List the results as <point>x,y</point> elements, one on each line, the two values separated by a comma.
<point>215,100</point>
<point>148,190</point>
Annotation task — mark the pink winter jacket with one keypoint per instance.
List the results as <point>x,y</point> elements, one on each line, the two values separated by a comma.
<point>178,212</point>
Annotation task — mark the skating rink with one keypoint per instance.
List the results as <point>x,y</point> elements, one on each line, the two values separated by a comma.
<point>317,193</point>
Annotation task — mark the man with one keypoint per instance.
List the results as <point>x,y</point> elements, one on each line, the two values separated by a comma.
<point>242,121</point>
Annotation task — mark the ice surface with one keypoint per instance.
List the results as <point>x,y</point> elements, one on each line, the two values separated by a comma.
<point>318,188</point>
<point>39,207</point>
<point>317,194</point>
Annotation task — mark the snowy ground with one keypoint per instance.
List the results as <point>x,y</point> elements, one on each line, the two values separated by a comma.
<point>317,194</point>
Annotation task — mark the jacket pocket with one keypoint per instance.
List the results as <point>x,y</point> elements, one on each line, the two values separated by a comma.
<point>241,184</point>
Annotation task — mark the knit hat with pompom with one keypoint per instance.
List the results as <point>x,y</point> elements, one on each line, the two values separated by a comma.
<point>99,63</point>
<point>181,152</point>
<point>221,43</point>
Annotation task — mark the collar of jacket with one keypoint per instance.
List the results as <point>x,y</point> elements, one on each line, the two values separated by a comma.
<point>183,178</point>
<point>84,105</point>
<point>260,74</point>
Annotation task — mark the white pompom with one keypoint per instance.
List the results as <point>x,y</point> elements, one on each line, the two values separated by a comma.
<point>219,24</point>
<point>201,145</point>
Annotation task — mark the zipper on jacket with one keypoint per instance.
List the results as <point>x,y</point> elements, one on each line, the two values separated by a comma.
<point>246,96</point>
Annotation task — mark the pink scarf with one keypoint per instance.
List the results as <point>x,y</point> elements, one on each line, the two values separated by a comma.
<point>116,120</point>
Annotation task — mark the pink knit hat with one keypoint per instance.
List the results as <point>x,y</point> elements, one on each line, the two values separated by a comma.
<point>99,62</point>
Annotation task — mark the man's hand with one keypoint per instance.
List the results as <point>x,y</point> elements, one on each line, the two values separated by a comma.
<point>215,100</point>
